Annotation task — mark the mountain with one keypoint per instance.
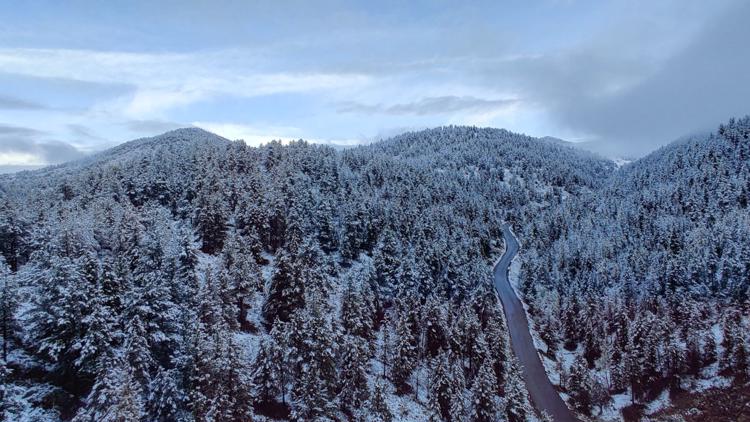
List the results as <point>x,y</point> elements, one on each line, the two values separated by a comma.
<point>145,277</point>
<point>639,276</point>
<point>188,277</point>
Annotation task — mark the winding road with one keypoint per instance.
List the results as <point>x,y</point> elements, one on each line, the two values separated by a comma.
<point>542,393</point>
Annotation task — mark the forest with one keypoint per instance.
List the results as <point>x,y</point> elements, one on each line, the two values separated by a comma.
<point>187,277</point>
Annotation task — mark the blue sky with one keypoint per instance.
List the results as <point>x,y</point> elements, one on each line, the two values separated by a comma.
<point>81,76</point>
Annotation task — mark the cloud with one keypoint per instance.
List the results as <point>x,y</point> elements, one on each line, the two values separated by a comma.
<point>81,131</point>
<point>151,126</point>
<point>258,135</point>
<point>162,81</point>
<point>632,74</point>
<point>429,105</point>
<point>13,103</point>
<point>21,146</point>
<point>252,135</point>
<point>633,88</point>
<point>695,90</point>
<point>9,131</point>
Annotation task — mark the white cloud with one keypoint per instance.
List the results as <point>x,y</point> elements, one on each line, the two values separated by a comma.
<point>252,135</point>
<point>257,135</point>
<point>167,80</point>
<point>20,159</point>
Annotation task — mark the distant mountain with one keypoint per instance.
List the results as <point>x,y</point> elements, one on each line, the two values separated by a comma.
<point>10,168</point>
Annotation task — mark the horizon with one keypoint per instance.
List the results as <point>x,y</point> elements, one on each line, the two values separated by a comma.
<point>624,77</point>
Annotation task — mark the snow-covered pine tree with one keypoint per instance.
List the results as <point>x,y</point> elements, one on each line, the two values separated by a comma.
<point>314,389</point>
<point>286,293</point>
<point>5,384</point>
<point>386,262</point>
<point>404,353</point>
<point>379,410</point>
<point>8,306</point>
<point>485,402</point>
<point>210,215</point>
<point>517,406</point>
<point>219,387</point>
<point>579,387</point>
<point>442,386</point>
<point>354,391</point>
<point>357,315</point>
<point>166,400</point>
<point>115,397</point>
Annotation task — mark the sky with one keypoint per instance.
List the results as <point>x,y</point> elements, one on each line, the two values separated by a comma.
<point>623,76</point>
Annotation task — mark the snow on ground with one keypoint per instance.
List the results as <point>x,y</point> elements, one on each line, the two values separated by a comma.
<point>659,403</point>
<point>206,263</point>
<point>619,162</point>
<point>704,384</point>
<point>612,412</point>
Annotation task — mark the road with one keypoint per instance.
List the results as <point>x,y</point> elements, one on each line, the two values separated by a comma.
<point>543,394</point>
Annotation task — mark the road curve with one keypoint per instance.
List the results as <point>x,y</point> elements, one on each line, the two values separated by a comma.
<point>543,394</point>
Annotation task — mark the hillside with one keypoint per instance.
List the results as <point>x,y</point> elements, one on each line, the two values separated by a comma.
<point>324,284</point>
<point>647,279</point>
<point>355,284</point>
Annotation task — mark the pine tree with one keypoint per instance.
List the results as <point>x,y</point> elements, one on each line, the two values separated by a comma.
<point>386,262</point>
<point>219,389</point>
<point>266,371</point>
<point>111,287</point>
<point>327,232</point>
<point>731,331</point>
<point>496,333</point>
<point>693,356</point>
<point>210,217</point>
<point>101,334</point>
<point>442,386</point>
<point>674,359</point>
<point>579,387</point>
<point>59,308</point>
<point>379,411</point>
<point>137,351</point>
<point>436,333</point>
<point>5,383</point>
<point>483,392</point>
<point>166,399</point>
<point>242,274</point>
<point>458,407</point>
<point>356,313</point>
<point>115,397</point>
<point>517,406</point>
<point>709,348</point>
<point>314,389</point>
<point>404,354</point>
<point>600,396</point>
<point>286,293</point>
<point>354,392</point>
<point>434,413</point>
<point>739,360</point>
<point>14,233</point>
<point>8,306</point>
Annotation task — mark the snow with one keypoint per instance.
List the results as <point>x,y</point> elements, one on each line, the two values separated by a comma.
<point>659,403</point>
<point>612,412</point>
<point>23,403</point>
<point>619,162</point>
<point>709,383</point>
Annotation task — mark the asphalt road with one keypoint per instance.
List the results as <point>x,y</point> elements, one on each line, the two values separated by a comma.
<point>543,394</point>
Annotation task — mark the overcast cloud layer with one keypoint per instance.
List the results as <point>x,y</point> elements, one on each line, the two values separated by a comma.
<point>627,76</point>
